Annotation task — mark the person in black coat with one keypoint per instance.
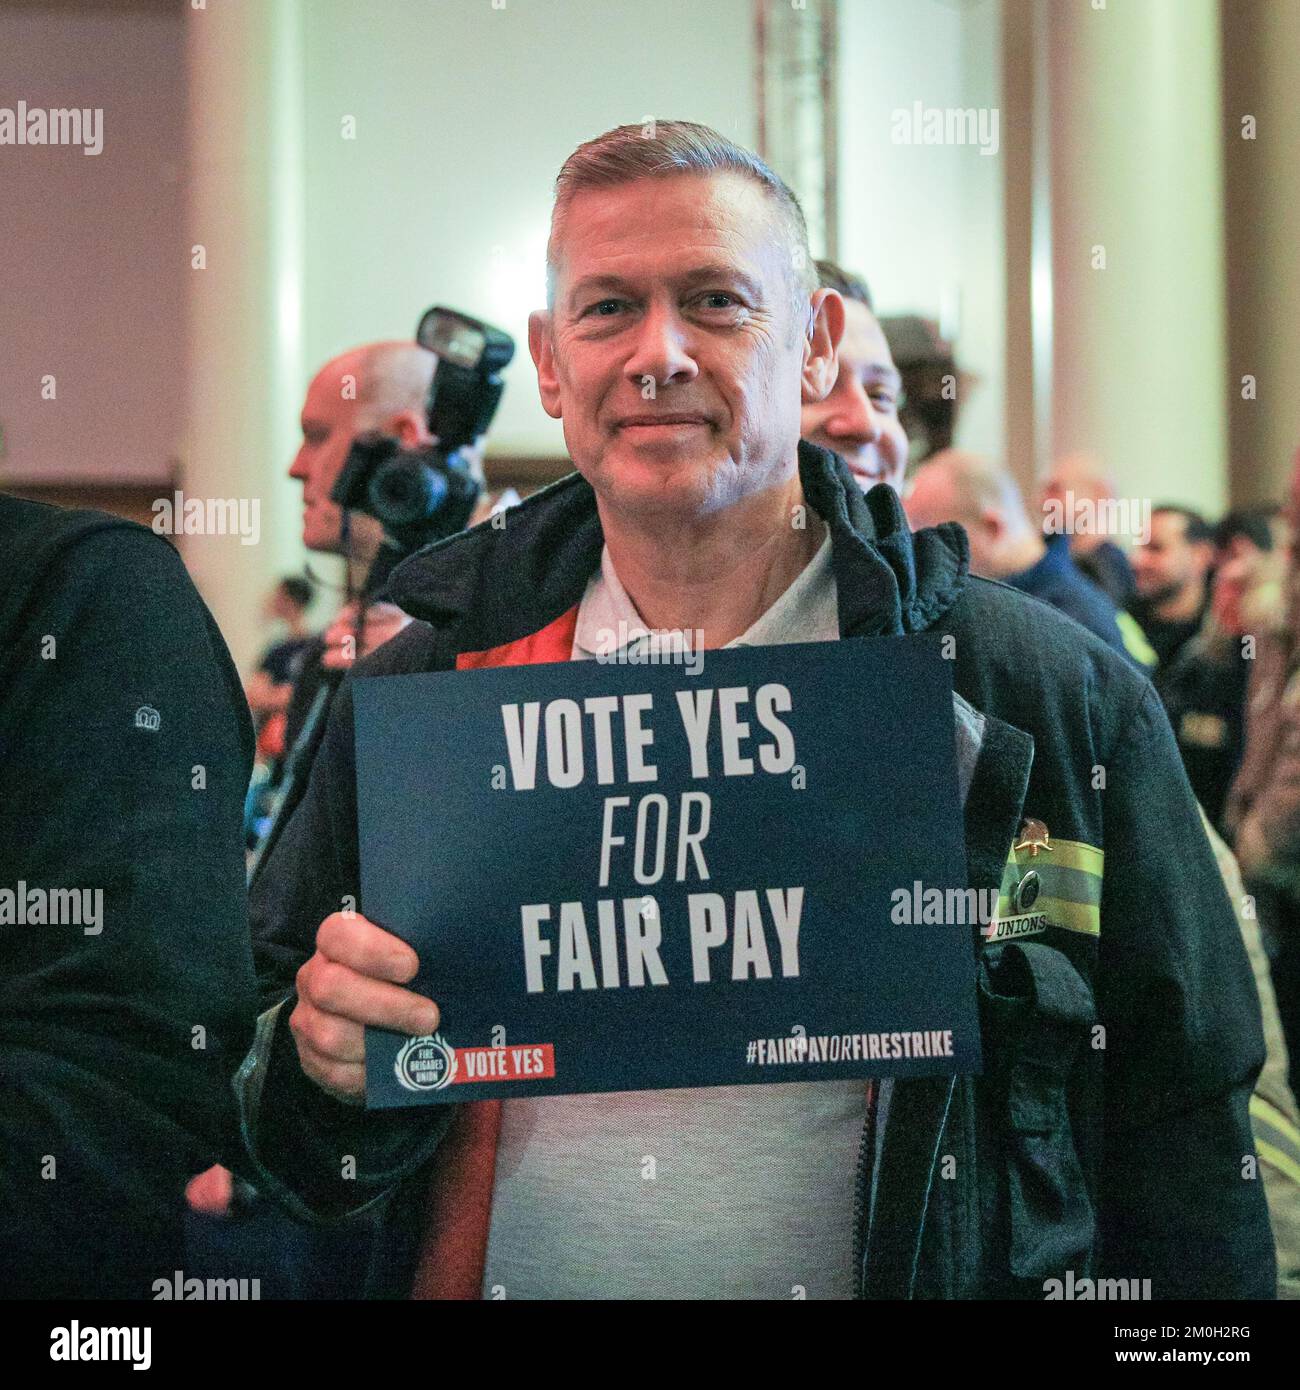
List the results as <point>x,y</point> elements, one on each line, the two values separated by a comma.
<point>126,981</point>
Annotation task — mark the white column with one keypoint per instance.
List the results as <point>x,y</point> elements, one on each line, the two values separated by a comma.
<point>244,370</point>
<point>1139,368</point>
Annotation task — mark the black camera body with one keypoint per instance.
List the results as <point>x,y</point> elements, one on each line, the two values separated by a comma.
<point>423,494</point>
<point>417,495</point>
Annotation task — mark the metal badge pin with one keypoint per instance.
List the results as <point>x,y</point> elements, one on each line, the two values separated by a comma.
<point>1033,837</point>
<point>1026,892</point>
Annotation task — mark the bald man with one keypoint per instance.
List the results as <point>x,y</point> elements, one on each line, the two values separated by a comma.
<point>1004,543</point>
<point>1078,477</point>
<point>383,387</point>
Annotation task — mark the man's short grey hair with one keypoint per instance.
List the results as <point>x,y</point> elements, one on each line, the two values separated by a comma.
<point>662,149</point>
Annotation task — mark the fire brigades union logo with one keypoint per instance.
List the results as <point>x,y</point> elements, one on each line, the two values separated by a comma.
<point>426,1064</point>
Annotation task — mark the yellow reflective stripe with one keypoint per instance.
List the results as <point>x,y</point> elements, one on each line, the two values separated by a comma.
<point>1266,1113</point>
<point>1277,1159</point>
<point>1135,640</point>
<point>1060,911</point>
<point>1069,854</point>
<point>1279,1119</point>
<point>1080,917</point>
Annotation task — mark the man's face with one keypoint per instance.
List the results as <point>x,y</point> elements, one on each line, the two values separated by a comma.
<point>1071,478</point>
<point>933,498</point>
<point>672,353</point>
<point>859,419</point>
<point>1166,564</point>
<point>328,427</point>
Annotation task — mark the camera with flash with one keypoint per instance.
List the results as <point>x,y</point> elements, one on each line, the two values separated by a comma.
<point>423,494</point>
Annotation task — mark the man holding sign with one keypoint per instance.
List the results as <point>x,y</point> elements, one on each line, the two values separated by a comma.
<point>1106,1133</point>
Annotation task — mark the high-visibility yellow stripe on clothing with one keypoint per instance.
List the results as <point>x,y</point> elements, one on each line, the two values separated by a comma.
<point>1069,854</point>
<point>1070,878</point>
<point>1277,1139</point>
<point>1135,640</point>
<point>1279,1160</point>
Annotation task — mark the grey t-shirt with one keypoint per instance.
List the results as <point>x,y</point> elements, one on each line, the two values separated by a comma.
<point>719,1192</point>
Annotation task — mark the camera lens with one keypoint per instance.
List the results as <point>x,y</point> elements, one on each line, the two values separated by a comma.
<point>406,491</point>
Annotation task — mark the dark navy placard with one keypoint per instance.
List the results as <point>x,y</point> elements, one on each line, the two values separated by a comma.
<point>452,852</point>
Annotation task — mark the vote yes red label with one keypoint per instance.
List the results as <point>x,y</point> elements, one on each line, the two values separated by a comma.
<point>529,1063</point>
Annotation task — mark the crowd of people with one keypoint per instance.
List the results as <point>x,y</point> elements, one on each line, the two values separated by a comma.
<point>1209,610</point>
<point>1199,608</point>
<point>712,386</point>
<point>1205,608</point>
<point>1191,602</point>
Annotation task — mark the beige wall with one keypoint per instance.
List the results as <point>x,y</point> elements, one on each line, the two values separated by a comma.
<point>1261,51</point>
<point>94,258</point>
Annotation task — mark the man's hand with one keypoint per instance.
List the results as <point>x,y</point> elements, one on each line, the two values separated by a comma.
<point>354,979</point>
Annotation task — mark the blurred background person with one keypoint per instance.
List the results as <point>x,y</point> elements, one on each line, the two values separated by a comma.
<point>381,387</point>
<point>372,406</point>
<point>1274,1118</point>
<point>1250,533</point>
<point>1203,685</point>
<point>1171,572</point>
<point>1005,543</point>
<point>364,400</point>
<point>1263,809</point>
<point>270,688</point>
<point>859,420</point>
<point>1076,479</point>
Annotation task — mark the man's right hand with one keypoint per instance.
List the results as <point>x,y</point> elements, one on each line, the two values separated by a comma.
<point>354,979</point>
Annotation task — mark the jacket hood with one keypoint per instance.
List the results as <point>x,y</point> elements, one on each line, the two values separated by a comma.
<point>512,574</point>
